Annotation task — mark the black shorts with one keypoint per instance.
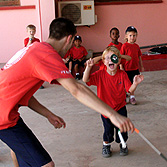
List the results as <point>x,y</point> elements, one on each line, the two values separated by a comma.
<point>80,63</point>
<point>131,74</point>
<point>28,150</point>
<point>109,131</point>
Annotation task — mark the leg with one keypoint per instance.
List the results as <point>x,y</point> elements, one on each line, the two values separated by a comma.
<point>131,75</point>
<point>15,162</point>
<point>123,112</point>
<point>26,146</point>
<point>70,66</point>
<point>107,137</point>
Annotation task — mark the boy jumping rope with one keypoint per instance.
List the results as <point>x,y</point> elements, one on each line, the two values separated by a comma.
<point>111,84</point>
<point>37,63</point>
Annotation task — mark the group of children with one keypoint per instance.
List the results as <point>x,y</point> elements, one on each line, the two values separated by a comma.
<point>118,75</point>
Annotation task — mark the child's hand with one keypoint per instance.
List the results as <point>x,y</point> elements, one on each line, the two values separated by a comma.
<point>90,62</point>
<point>138,79</point>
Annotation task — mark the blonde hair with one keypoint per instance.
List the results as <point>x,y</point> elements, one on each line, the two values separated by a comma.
<point>112,49</point>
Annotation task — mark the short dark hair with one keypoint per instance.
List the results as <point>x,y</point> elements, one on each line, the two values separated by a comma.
<point>61,27</point>
<point>114,28</point>
<point>31,26</point>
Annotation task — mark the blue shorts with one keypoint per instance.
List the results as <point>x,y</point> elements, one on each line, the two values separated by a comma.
<point>28,150</point>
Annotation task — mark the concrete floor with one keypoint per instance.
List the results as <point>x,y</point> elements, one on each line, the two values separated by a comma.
<point>80,144</point>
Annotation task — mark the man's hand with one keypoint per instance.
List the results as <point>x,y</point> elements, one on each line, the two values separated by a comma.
<point>123,123</point>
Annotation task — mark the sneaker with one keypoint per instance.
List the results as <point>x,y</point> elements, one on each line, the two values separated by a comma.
<point>77,77</point>
<point>106,152</point>
<point>132,101</point>
<point>123,151</point>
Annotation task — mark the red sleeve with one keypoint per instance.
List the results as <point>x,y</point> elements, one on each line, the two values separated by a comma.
<point>85,52</point>
<point>26,42</point>
<point>93,79</point>
<point>51,68</point>
<point>122,51</point>
<point>127,82</point>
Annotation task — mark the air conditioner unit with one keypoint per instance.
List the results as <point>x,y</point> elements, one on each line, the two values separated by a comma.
<point>79,12</point>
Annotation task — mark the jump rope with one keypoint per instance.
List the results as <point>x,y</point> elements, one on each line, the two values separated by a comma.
<point>114,59</point>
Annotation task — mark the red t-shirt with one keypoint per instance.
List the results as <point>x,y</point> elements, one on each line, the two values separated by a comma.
<point>78,53</point>
<point>132,50</point>
<point>111,89</point>
<point>117,46</point>
<point>27,39</point>
<point>18,82</point>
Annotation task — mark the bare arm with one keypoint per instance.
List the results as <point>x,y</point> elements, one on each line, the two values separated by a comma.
<point>89,65</point>
<point>56,121</point>
<point>88,98</point>
<point>96,59</point>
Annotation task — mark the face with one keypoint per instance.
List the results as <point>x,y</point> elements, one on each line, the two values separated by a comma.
<point>111,67</point>
<point>77,43</point>
<point>131,37</point>
<point>31,32</point>
<point>114,35</point>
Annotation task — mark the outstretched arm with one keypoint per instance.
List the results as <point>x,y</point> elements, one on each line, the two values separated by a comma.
<point>56,121</point>
<point>89,65</point>
<point>137,79</point>
<point>88,98</point>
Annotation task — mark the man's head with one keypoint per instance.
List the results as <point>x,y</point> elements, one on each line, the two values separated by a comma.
<point>61,27</point>
<point>31,30</point>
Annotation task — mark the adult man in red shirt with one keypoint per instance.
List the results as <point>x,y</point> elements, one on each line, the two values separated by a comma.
<point>22,78</point>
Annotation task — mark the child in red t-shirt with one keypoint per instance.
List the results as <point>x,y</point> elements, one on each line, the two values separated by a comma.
<point>114,35</point>
<point>31,30</point>
<point>78,54</point>
<point>111,84</point>
<point>133,50</point>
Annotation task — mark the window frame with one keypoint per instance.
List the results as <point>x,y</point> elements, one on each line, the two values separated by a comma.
<point>9,3</point>
<point>120,2</point>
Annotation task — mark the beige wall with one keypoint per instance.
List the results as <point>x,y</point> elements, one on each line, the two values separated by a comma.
<point>149,19</point>
<point>14,22</point>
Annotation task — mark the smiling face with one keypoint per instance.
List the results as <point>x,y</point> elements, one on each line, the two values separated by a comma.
<point>131,37</point>
<point>111,67</point>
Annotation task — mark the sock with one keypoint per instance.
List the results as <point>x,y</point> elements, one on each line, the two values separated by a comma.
<point>70,71</point>
<point>106,144</point>
<point>132,96</point>
<point>77,73</point>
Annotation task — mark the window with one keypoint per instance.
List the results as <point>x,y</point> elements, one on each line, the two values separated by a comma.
<point>9,2</point>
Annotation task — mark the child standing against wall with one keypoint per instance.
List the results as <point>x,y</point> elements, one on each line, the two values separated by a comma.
<point>133,50</point>
<point>114,35</point>
<point>111,84</point>
<point>31,30</point>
